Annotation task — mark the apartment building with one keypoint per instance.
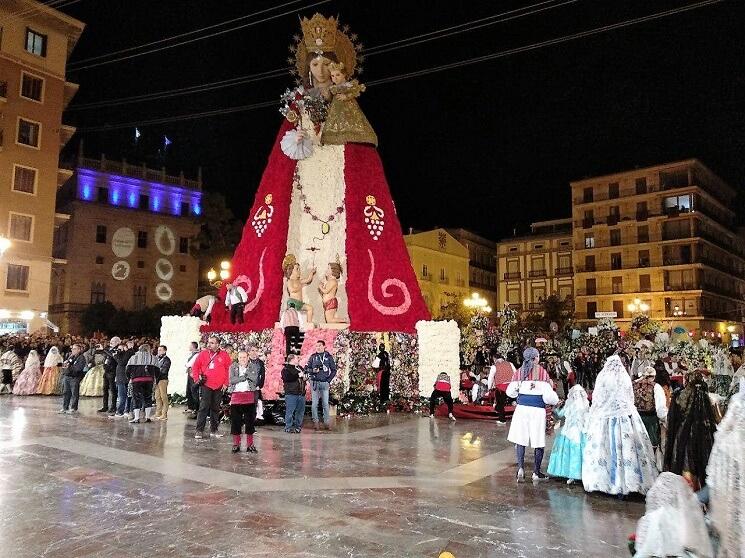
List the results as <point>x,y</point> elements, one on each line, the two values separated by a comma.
<point>662,238</point>
<point>535,266</point>
<point>127,239</point>
<point>35,43</point>
<point>441,266</point>
<point>482,263</point>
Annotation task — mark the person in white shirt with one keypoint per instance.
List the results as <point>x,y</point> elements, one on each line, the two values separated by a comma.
<point>533,390</point>
<point>235,300</point>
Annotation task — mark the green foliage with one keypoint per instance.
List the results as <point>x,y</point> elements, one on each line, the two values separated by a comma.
<point>220,231</point>
<point>104,317</point>
<point>455,310</point>
<point>553,309</point>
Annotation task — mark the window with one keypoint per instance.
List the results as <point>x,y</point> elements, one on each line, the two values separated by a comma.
<point>140,264</point>
<point>587,195</point>
<point>425,271</point>
<point>613,190</point>
<point>184,208</point>
<point>102,195</point>
<point>617,285</point>
<point>98,292</point>
<point>641,211</point>
<point>642,234</point>
<point>645,284</point>
<point>614,215</point>
<point>101,234</point>
<point>538,247</point>
<point>144,201</point>
<point>644,258</point>
<point>142,239</point>
<point>615,237</point>
<point>28,132</point>
<point>589,219</point>
<point>618,308</point>
<point>139,297</point>
<point>513,296</point>
<point>182,268</point>
<point>21,227</point>
<point>590,287</point>
<point>615,261</point>
<point>32,87</point>
<point>24,180</point>
<point>589,240</point>
<point>17,279</point>
<point>565,292</point>
<point>442,274</point>
<point>641,185</point>
<point>675,204</point>
<point>674,179</point>
<point>589,263</point>
<point>99,260</point>
<point>183,245</point>
<point>36,43</point>
<point>592,308</point>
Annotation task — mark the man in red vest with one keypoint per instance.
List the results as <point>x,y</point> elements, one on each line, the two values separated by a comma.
<point>210,371</point>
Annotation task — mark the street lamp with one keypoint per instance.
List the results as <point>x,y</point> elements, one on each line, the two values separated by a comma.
<point>477,304</point>
<point>677,312</point>
<point>4,245</point>
<point>638,307</point>
<point>224,274</point>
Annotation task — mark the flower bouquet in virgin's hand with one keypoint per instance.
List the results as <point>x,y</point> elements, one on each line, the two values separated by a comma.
<point>296,144</point>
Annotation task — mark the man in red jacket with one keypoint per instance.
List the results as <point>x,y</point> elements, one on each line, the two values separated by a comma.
<point>210,371</point>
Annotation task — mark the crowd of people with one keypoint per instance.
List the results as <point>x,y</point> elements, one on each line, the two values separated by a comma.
<point>636,433</point>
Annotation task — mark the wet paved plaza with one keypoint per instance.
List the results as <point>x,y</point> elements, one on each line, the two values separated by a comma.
<point>387,485</point>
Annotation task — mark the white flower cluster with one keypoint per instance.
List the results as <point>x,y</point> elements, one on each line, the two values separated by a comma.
<point>439,344</point>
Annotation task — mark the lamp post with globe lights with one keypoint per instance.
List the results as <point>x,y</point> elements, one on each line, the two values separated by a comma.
<point>638,307</point>
<point>224,274</point>
<point>477,304</point>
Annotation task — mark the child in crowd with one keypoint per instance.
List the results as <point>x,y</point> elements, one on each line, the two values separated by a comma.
<point>442,389</point>
<point>566,455</point>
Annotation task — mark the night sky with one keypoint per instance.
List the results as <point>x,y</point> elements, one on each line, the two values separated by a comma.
<point>490,146</point>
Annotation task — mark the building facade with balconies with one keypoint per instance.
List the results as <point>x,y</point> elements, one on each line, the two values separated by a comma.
<point>664,235</point>
<point>127,239</point>
<point>482,272</point>
<point>441,266</point>
<point>35,43</point>
<point>533,267</point>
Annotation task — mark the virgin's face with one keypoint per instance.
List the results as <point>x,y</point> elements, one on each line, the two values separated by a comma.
<point>319,69</point>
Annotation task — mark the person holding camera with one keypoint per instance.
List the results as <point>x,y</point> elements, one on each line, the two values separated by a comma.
<point>321,368</point>
<point>211,372</point>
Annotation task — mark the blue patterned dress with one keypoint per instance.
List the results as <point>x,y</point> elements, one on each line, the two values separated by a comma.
<point>566,454</point>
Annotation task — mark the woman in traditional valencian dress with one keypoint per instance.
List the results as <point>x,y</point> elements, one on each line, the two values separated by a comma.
<point>618,457</point>
<point>50,379</point>
<point>28,381</point>
<point>566,454</point>
<point>324,199</point>
<point>532,388</point>
<point>92,384</point>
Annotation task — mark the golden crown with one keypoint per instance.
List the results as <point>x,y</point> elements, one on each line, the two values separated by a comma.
<point>319,33</point>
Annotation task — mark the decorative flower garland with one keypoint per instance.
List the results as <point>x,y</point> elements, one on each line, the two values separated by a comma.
<point>309,210</point>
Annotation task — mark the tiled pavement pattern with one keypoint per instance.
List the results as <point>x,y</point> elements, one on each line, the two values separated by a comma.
<point>382,486</point>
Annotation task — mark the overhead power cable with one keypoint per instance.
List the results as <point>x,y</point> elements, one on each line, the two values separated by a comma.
<point>401,43</point>
<point>75,67</point>
<point>426,71</point>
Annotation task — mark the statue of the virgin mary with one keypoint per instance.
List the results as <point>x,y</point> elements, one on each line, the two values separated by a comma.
<point>324,204</point>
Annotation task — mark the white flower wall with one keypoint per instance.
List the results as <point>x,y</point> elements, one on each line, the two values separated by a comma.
<point>439,344</point>
<point>176,332</point>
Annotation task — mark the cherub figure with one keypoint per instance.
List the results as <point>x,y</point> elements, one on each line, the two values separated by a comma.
<point>295,283</point>
<point>328,288</point>
<point>345,122</point>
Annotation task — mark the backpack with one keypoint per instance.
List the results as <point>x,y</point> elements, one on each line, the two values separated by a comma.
<point>644,394</point>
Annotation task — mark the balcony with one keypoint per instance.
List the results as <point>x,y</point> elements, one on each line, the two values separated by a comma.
<point>613,220</point>
<point>642,215</point>
<point>3,91</point>
<point>512,275</point>
<point>515,306</point>
<point>426,277</point>
<point>537,273</point>
<point>444,281</point>
<point>722,290</point>
<point>588,223</point>
<point>460,283</point>
<point>690,286</point>
<point>564,271</point>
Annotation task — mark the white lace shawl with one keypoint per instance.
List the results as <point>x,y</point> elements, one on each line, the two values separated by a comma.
<point>725,476</point>
<point>614,394</point>
<point>576,409</point>
<point>674,523</point>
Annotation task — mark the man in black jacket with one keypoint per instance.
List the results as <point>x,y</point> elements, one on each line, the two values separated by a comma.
<point>142,368</point>
<point>109,376</point>
<point>74,369</point>
<point>124,403</point>
<point>161,384</point>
